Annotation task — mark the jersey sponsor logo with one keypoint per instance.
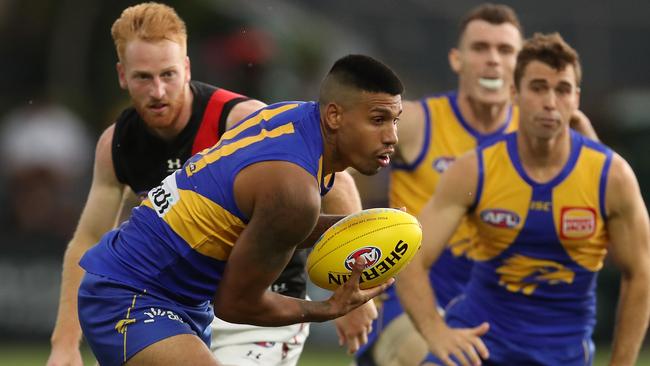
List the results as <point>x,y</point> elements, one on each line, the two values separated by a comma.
<point>524,274</point>
<point>577,222</point>
<point>500,218</point>
<point>173,165</point>
<point>371,255</point>
<point>442,163</point>
<point>164,196</point>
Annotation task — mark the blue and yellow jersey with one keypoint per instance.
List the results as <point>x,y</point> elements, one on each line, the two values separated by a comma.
<point>539,245</point>
<point>178,241</point>
<point>447,135</point>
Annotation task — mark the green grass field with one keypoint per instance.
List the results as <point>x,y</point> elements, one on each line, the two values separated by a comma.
<point>36,355</point>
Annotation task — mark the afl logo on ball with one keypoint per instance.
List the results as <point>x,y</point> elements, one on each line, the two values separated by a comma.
<point>372,255</point>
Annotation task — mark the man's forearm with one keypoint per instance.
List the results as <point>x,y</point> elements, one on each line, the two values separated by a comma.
<point>418,300</point>
<point>632,319</point>
<point>274,310</point>
<point>67,328</point>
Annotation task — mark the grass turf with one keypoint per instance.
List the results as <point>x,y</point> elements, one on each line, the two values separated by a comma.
<point>36,354</point>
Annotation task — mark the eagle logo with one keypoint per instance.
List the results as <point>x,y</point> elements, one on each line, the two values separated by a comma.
<point>523,274</point>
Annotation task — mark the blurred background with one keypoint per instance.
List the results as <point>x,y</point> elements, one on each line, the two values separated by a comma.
<point>59,91</point>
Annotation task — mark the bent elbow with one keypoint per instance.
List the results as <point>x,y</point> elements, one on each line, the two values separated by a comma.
<point>225,311</point>
<point>233,313</point>
<point>228,316</point>
<point>225,316</point>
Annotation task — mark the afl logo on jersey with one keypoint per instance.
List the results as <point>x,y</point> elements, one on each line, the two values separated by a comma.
<point>577,222</point>
<point>371,255</point>
<point>442,163</point>
<point>500,218</point>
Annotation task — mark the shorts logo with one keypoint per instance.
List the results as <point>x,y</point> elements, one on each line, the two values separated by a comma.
<point>577,222</point>
<point>371,255</point>
<point>442,163</point>
<point>500,218</point>
<point>280,288</point>
<point>154,313</point>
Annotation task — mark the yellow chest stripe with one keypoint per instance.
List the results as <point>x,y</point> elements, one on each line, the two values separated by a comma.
<point>204,225</point>
<point>264,115</point>
<point>226,150</point>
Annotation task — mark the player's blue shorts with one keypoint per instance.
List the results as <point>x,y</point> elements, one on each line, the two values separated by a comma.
<point>509,352</point>
<point>119,320</point>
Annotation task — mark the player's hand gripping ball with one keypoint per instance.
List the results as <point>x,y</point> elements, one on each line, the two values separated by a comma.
<point>387,238</point>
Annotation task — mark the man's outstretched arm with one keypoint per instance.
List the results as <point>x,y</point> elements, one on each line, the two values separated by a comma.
<point>98,216</point>
<point>439,219</point>
<point>629,232</point>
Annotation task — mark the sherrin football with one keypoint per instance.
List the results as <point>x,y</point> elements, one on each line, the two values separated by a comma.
<point>387,238</point>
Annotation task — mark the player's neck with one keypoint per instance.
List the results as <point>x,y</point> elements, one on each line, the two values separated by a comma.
<point>483,117</point>
<point>329,164</point>
<point>169,132</point>
<point>543,158</point>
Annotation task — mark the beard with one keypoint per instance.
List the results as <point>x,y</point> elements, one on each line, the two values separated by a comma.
<point>163,118</point>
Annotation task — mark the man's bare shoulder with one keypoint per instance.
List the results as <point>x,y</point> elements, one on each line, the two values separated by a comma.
<point>622,186</point>
<point>410,131</point>
<point>242,110</point>
<point>104,169</point>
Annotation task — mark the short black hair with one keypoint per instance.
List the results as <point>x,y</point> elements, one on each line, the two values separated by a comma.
<point>364,73</point>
